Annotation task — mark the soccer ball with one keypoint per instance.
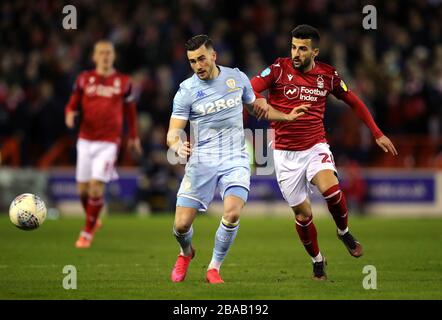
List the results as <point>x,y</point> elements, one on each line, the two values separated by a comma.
<point>27,211</point>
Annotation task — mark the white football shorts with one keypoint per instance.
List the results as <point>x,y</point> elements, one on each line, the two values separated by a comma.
<point>96,160</point>
<point>295,170</point>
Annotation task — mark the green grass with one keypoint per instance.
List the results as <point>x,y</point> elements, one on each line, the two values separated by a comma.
<point>132,258</point>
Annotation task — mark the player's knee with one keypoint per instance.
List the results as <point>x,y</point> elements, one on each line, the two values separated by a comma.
<point>302,212</point>
<point>324,180</point>
<point>83,189</point>
<point>96,189</point>
<point>231,215</point>
<point>182,226</point>
<point>302,217</point>
<point>333,195</point>
<point>83,194</point>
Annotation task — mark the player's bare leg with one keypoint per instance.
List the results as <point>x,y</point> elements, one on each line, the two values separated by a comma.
<point>225,235</point>
<point>91,194</point>
<point>83,192</point>
<point>307,233</point>
<point>183,231</point>
<point>328,184</point>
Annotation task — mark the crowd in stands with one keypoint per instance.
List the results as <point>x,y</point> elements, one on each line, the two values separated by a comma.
<point>396,69</point>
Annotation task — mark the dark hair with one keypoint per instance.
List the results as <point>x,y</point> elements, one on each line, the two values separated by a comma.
<point>305,31</point>
<point>197,41</point>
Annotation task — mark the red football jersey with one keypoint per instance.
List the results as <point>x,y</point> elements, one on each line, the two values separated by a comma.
<point>289,88</point>
<point>104,101</point>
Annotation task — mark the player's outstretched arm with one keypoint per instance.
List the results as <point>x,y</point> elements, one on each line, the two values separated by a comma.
<point>174,140</point>
<point>362,112</point>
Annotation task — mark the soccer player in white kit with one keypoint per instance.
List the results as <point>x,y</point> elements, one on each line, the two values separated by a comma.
<point>103,97</point>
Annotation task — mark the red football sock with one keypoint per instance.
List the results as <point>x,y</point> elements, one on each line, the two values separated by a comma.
<point>94,206</point>
<point>308,235</point>
<point>337,206</point>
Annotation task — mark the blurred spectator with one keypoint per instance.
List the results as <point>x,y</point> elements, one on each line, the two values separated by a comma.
<point>158,181</point>
<point>354,186</point>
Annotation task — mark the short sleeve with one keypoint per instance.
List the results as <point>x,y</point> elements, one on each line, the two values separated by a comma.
<point>181,104</point>
<point>248,95</point>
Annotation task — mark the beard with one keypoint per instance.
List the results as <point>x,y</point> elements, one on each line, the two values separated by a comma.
<point>302,65</point>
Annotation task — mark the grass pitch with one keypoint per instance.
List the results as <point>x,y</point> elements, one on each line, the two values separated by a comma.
<point>132,258</point>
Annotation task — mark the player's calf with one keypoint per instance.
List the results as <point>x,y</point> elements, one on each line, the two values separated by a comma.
<point>337,206</point>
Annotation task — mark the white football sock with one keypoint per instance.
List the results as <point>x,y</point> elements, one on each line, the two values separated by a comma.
<point>342,232</point>
<point>318,258</point>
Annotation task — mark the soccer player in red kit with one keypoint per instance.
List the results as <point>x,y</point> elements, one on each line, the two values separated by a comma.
<point>301,153</point>
<point>104,97</point>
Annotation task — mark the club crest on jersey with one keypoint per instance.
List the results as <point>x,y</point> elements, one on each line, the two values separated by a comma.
<point>320,81</point>
<point>291,91</point>
<point>231,83</point>
<point>117,82</point>
<point>91,80</point>
<point>265,72</point>
<point>290,76</point>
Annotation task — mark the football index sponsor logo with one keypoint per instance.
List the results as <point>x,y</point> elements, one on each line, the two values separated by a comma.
<point>291,91</point>
<point>307,94</point>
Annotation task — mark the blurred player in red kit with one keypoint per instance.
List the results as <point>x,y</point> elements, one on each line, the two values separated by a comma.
<point>103,97</point>
<point>301,154</point>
